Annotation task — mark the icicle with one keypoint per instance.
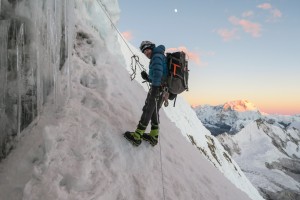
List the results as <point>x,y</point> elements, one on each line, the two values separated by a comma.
<point>69,26</point>
<point>53,50</point>
<point>20,77</point>
<point>66,49</point>
<point>3,78</point>
<point>3,61</point>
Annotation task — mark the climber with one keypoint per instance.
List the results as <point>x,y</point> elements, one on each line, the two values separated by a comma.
<point>157,75</point>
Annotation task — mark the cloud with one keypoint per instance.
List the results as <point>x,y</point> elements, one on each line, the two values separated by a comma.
<point>195,57</point>
<point>249,27</point>
<point>252,28</point>
<point>228,35</point>
<point>248,13</point>
<point>127,35</point>
<point>265,6</point>
<point>275,13</point>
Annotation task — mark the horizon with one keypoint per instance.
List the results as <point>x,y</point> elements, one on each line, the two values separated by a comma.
<point>242,50</point>
<point>270,112</point>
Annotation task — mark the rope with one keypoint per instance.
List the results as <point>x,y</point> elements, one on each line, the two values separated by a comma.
<point>133,57</point>
<point>161,165</point>
<point>162,172</point>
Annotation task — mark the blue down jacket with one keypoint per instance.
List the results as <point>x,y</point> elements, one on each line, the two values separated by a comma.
<point>158,70</point>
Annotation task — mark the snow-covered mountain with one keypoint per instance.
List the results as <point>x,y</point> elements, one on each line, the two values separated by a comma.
<point>240,106</point>
<point>74,148</point>
<point>233,116</point>
<point>266,147</point>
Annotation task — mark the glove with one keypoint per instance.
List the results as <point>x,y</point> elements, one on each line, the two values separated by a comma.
<point>145,76</point>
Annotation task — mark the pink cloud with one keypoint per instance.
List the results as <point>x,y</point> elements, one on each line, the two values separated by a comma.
<point>265,6</point>
<point>276,13</point>
<point>228,35</point>
<point>127,35</point>
<point>249,27</point>
<point>191,55</point>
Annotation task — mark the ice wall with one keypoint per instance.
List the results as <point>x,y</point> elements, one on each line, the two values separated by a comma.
<point>36,39</point>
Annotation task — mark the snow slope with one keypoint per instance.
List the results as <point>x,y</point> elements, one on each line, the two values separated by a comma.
<point>78,151</point>
<point>269,156</point>
<point>266,147</point>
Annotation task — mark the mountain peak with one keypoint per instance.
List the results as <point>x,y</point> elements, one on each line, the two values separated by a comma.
<point>240,106</point>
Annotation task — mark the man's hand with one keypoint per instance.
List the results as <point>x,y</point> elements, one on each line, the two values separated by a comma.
<point>145,76</point>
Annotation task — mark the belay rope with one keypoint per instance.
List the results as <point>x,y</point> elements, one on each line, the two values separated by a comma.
<point>135,61</point>
<point>161,165</point>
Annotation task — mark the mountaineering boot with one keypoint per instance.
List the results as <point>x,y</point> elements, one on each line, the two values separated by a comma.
<point>152,137</point>
<point>135,137</point>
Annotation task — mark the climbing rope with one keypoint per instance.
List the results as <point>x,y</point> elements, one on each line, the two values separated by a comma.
<point>161,165</point>
<point>134,58</point>
<point>162,172</point>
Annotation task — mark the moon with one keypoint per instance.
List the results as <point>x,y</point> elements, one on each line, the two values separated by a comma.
<point>175,10</point>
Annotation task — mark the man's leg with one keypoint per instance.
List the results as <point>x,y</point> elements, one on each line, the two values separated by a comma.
<point>148,109</point>
<point>152,137</point>
<point>150,106</point>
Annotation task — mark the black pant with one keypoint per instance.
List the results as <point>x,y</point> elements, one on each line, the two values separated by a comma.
<point>152,106</point>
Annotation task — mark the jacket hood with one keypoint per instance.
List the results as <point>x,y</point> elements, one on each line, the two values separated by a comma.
<point>159,49</point>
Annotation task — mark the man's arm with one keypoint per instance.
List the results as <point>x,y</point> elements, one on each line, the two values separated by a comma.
<point>157,69</point>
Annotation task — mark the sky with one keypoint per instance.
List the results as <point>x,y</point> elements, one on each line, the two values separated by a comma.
<point>78,151</point>
<point>245,49</point>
